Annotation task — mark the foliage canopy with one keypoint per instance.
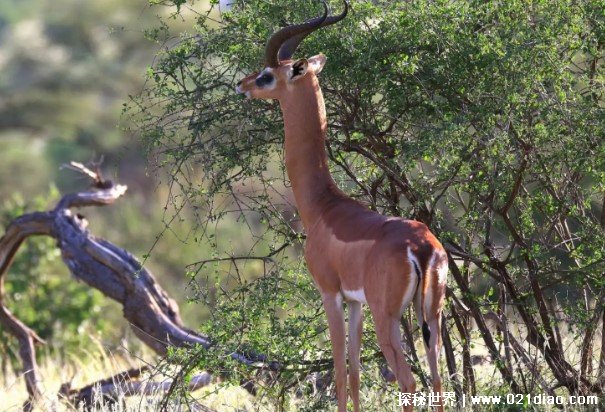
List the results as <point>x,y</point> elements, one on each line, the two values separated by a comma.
<point>485,120</point>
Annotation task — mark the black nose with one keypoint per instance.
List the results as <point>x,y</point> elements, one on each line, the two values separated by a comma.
<point>240,82</point>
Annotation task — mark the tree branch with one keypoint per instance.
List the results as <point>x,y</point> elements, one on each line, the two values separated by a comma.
<point>152,314</point>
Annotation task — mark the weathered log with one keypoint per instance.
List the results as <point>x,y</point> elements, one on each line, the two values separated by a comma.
<point>152,314</point>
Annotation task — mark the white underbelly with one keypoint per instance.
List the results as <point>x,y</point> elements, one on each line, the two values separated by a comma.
<point>357,295</point>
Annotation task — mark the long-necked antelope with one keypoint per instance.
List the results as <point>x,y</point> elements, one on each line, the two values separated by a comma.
<point>353,253</point>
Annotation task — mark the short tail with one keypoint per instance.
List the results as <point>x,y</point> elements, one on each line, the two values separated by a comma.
<point>426,332</point>
<point>434,276</point>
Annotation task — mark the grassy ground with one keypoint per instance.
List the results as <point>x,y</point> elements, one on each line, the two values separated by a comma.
<point>83,368</point>
<point>98,363</point>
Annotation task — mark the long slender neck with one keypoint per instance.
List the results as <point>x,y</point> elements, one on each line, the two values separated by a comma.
<point>306,160</point>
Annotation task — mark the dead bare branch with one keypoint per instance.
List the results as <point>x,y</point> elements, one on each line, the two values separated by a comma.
<point>152,314</point>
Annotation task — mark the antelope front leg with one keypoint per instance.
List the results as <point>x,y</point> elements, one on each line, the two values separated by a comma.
<point>355,331</point>
<point>336,322</point>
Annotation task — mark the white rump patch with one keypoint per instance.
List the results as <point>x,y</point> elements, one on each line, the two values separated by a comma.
<point>355,295</point>
<point>442,271</point>
<point>428,299</point>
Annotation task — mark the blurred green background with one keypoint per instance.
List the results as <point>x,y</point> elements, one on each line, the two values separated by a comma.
<point>67,67</point>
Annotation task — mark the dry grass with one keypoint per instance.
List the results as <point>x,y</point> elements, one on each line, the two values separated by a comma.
<point>90,366</point>
<point>85,367</point>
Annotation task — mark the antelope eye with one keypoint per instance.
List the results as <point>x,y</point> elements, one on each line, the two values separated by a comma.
<point>264,79</point>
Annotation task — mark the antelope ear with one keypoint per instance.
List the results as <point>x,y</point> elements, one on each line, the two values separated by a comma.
<point>299,69</point>
<point>316,63</point>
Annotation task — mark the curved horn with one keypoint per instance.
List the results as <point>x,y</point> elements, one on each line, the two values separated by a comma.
<point>289,46</point>
<point>281,36</point>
